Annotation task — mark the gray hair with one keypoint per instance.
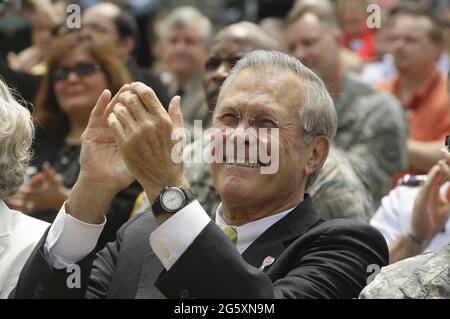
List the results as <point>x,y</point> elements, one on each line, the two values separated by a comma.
<point>317,113</point>
<point>16,136</point>
<point>183,17</point>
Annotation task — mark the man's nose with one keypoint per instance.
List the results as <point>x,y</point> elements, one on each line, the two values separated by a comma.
<point>300,52</point>
<point>398,44</point>
<point>180,45</point>
<point>221,73</point>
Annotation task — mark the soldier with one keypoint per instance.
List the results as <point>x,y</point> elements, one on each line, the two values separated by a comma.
<point>372,128</point>
<point>337,192</point>
<point>427,275</point>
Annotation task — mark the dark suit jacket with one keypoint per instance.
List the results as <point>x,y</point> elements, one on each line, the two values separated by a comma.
<point>313,259</point>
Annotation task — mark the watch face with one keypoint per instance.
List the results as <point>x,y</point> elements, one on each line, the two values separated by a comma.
<point>172,199</point>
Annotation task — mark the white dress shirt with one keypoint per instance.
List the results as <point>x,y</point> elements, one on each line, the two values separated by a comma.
<point>70,240</point>
<point>170,240</point>
<point>19,234</point>
<point>393,217</point>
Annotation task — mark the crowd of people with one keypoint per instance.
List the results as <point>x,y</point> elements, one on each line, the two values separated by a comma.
<point>156,181</point>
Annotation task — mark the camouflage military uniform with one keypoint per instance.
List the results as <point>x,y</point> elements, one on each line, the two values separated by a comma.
<point>372,130</point>
<point>337,192</point>
<point>419,277</point>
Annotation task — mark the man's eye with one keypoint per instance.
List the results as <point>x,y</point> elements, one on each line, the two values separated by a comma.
<point>229,119</point>
<point>265,123</point>
<point>211,65</point>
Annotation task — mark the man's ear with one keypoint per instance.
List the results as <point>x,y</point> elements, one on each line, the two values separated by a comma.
<point>317,154</point>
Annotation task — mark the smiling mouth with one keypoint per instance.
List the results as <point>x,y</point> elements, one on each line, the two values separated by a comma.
<point>242,163</point>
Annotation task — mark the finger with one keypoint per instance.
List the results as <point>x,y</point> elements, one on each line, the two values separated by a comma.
<point>134,105</point>
<point>175,112</point>
<point>50,173</point>
<point>36,181</point>
<point>431,180</point>
<point>12,58</point>
<point>436,184</point>
<point>124,117</point>
<point>446,155</point>
<point>99,109</point>
<point>114,101</point>
<point>116,128</point>
<point>149,99</point>
<point>447,193</point>
<point>444,168</point>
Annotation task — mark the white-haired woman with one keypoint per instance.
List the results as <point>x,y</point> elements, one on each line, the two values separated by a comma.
<point>19,233</point>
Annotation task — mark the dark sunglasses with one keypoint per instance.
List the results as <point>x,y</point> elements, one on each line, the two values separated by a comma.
<point>80,69</point>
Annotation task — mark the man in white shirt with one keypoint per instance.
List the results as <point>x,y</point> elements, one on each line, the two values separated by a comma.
<point>283,249</point>
<point>19,233</point>
<point>408,228</point>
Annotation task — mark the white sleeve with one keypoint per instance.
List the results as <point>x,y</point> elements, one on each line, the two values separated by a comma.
<point>393,216</point>
<point>70,240</point>
<point>170,240</point>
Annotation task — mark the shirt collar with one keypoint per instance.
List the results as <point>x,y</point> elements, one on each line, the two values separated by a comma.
<point>5,219</point>
<point>249,232</point>
<point>421,91</point>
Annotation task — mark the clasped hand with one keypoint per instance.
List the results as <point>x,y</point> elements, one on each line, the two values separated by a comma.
<point>143,131</point>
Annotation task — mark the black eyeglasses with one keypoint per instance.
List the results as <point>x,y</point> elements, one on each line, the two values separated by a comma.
<point>80,69</point>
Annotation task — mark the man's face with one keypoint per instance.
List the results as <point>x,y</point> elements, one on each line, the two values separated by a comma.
<point>100,24</point>
<point>185,51</point>
<point>277,96</point>
<point>412,47</point>
<point>225,52</point>
<point>313,44</point>
<point>352,17</point>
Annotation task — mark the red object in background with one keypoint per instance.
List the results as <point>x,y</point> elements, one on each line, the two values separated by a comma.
<point>363,46</point>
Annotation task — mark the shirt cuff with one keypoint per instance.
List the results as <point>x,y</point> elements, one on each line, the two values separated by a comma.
<point>70,240</point>
<point>170,240</point>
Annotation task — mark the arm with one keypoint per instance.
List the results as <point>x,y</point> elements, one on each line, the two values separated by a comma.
<point>72,237</point>
<point>430,214</point>
<point>423,155</point>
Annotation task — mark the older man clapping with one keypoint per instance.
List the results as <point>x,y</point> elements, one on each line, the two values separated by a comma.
<point>277,246</point>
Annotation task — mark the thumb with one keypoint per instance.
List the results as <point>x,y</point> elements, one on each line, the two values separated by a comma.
<point>175,112</point>
<point>12,58</point>
<point>50,173</point>
<point>99,108</point>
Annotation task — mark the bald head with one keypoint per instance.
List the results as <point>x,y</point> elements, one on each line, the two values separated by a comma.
<point>229,46</point>
<point>104,9</point>
<point>248,34</point>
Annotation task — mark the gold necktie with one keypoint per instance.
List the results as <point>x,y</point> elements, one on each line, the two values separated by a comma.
<point>230,232</point>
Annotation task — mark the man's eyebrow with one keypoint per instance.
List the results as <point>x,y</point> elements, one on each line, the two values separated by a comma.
<point>262,108</point>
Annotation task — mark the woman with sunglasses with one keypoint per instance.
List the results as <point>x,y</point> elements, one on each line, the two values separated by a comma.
<point>78,72</point>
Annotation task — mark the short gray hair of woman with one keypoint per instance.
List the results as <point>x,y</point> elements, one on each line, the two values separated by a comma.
<point>317,112</point>
<point>16,136</point>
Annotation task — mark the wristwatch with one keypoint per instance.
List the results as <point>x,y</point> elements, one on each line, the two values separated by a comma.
<point>171,200</point>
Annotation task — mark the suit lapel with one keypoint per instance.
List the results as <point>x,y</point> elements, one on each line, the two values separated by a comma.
<point>274,240</point>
